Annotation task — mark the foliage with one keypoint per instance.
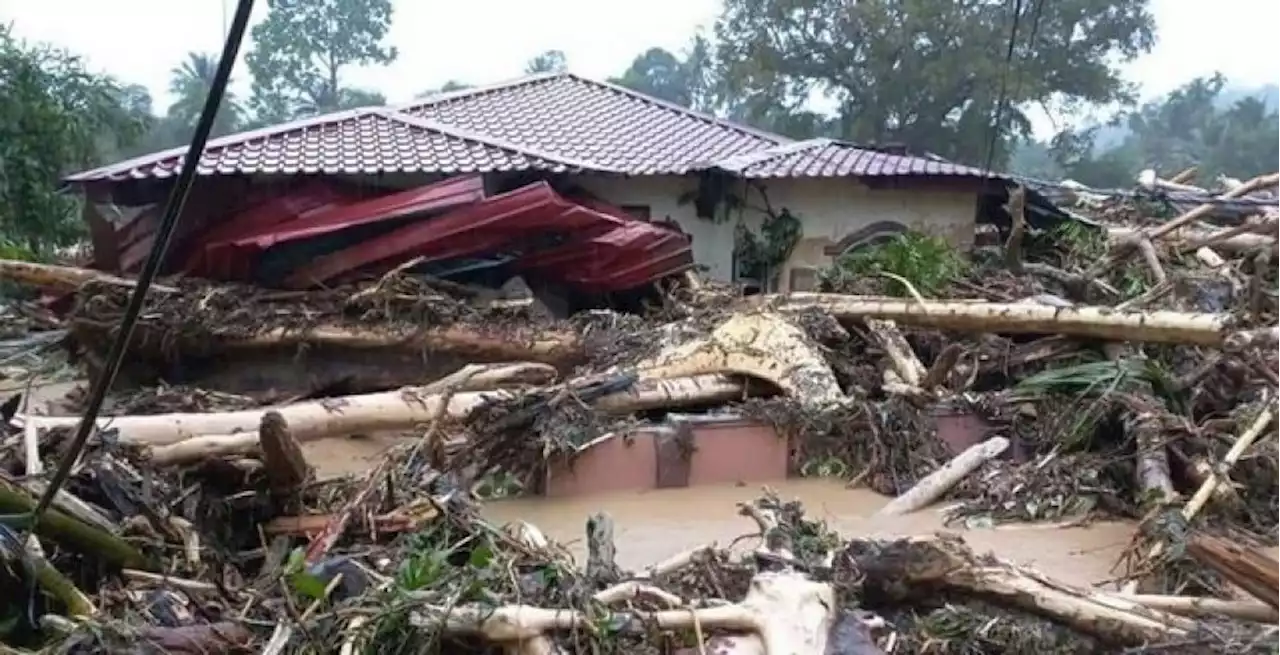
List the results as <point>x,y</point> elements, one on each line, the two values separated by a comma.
<point>923,72</point>
<point>190,83</point>
<point>1189,126</point>
<point>55,117</point>
<point>551,61</point>
<point>687,81</point>
<point>763,256</point>
<point>301,49</point>
<point>928,262</point>
<point>451,85</point>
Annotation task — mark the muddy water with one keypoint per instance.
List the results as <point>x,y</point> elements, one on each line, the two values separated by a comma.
<point>653,525</point>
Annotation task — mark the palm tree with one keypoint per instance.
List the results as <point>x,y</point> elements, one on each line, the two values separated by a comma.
<point>190,83</point>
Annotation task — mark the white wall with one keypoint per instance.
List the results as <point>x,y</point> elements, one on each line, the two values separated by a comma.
<point>712,242</point>
<point>828,210</point>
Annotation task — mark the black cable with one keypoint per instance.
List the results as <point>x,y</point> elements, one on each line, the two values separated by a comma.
<point>164,234</point>
<point>1004,87</point>
<point>1036,10</point>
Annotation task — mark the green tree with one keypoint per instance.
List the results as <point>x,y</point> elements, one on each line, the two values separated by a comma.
<point>190,83</point>
<point>1189,126</point>
<point>551,61</point>
<point>687,80</point>
<point>926,72</point>
<point>301,49</point>
<point>55,117</point>
<point>447,87</point>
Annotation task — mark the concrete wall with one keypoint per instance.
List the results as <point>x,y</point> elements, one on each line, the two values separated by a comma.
<point>686,452</point>
<point>828,208</point>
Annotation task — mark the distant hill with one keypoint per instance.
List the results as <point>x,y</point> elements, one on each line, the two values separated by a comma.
<point>1110,136</point>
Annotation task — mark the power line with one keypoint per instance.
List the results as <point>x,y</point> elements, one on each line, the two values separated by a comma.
<point>164,234</point>
<point>998,113</point>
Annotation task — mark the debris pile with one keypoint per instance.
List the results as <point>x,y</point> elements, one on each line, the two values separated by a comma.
<point>1101,370</point>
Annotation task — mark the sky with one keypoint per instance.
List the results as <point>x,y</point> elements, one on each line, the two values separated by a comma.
<point>483,41</point>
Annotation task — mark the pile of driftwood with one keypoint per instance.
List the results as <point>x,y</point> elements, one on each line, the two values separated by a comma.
<point>1122,371</point>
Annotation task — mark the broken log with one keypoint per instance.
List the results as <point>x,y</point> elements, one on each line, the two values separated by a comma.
<point>1221,475</point>
<point>945,560</point>
<point>1026,318</point>
<point>934,485</point>
<point>761,345</point>
<point>1252,571</point>
<point>1203,608</point>
<point>286,467</point>
<point>188,437</point>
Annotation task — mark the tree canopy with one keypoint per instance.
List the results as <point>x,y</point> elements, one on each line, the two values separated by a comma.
<point>926,73</point>
<point>55,117</point>
<point>301,49</point>
<point>551,61</point>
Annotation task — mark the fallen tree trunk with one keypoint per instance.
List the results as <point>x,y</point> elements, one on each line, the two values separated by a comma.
<point>63,279</point>
<point>947,561</point>
<point>227,433</point>
<point>548,346</point>
<point>1018,318</point>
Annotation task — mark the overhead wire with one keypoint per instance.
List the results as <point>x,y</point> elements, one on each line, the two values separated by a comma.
<point>164,235</point>
<point>1003,91</point>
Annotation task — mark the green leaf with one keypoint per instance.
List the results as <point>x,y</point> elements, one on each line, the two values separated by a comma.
<point>481,556</point>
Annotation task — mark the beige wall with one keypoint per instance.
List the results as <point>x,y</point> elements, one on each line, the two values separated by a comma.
<point>829,209</point>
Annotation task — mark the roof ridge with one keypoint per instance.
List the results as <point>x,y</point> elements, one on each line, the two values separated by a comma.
<point>457,132</point>
<point>741,162</point>
<point>223,142</point>
<point>539,78</point>
<point>692,113</point>
<point>446,96</point>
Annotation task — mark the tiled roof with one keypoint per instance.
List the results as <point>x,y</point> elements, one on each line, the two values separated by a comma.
<point>611,127</point>
<point>350,142</point>
<point>830,158</point>
<point>556,122</point>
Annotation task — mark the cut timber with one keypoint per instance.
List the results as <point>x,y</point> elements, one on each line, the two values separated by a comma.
<point>549,346</point>
<point>1019,318</point>
<point>1253,571</point>
<point>1220,476</point>
<point>220,432</point>
<point>761,345</point>
<point>934,485</point>
<point>62,278</point>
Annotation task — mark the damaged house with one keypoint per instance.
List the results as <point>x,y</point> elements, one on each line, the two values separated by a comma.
<point>572,184</point>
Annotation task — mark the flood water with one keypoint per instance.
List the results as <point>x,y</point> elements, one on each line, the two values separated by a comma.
<point>654,525</point>
<point>651,526</point>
